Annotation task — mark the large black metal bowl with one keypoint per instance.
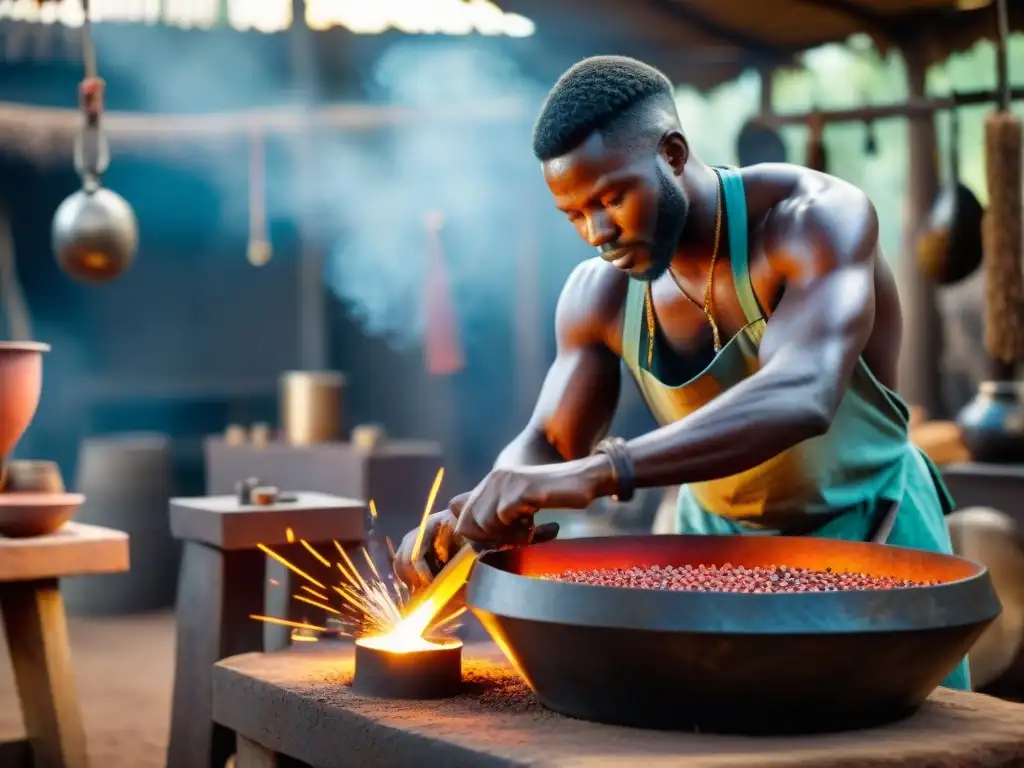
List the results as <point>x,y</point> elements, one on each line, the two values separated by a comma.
<point>739,663</point>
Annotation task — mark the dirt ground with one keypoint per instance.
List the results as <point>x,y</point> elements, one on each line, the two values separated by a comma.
<point>124,671</point>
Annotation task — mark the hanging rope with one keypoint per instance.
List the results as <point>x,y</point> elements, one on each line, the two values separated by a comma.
<point>259,251</point>
<point>12,298</point>
<point>92,151</point>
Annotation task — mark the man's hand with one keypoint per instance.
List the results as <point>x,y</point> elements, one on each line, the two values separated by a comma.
<point>500,510</point>
<point>439,539</point>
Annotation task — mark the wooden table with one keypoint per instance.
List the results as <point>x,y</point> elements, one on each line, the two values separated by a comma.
<point>298,703</point>
<point>224,581</point>
<point>37,635</point>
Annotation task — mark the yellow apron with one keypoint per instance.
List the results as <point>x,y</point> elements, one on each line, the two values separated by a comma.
<point>838,485</point>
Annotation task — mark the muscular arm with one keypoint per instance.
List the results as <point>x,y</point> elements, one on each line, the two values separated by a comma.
<point>824,244</point>
<point>822,241</point>
<point>581,390</point>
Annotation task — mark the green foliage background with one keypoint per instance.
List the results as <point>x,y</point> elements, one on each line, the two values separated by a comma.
<point>850,75</point>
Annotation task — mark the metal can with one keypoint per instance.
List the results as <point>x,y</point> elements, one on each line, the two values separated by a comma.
<point>311,406</point>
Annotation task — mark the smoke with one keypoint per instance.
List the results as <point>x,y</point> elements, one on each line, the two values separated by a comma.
<point>371,191</point>
<point>473,174</point>
<point>159,70</point>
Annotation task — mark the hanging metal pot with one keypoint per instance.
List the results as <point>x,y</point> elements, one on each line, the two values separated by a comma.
<point>949,247</point>
<point>95,232</point>
<point>758,142</point>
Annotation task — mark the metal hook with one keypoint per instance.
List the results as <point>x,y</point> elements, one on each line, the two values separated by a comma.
<point>92,150</point>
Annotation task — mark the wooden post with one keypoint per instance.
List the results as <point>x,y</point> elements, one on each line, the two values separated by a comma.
<point>32,611</point>
<point>311,300</point>
<point>37,633</point>
<point>767,88</point>
<point>919,380</point>
<point>529,330</point>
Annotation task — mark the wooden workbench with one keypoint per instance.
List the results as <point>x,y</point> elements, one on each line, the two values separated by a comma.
<point>37,636</point>
<point>298,703</point>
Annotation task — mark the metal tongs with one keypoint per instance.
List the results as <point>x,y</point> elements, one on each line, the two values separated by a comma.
<point>452,576</point>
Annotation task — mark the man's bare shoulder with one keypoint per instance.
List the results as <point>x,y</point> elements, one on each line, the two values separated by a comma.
<point>809,221</point>
<point>591,305</point>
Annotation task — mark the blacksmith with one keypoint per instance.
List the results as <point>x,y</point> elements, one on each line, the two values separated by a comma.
<point>756,312</point>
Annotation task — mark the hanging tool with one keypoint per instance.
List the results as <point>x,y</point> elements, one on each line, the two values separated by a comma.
<point>758,142</point>
<point>949,247</point>
<point>12,297</point>
<point>817,155</point>
<point>95,232</point>
<point>870,138</point>
<point>259,250</point>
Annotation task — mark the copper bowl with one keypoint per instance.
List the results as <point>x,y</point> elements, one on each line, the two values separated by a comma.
<point>36,514</point>
<point>744,663</point>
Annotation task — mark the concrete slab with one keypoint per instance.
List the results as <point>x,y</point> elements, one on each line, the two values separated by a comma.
<point>299,703</point>
<point>397,475</point>
<point>222,523</point>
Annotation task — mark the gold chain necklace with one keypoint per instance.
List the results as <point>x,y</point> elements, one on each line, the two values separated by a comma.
<point>709,298</point>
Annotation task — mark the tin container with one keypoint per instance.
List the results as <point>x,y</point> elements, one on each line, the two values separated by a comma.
<point>311,407</point>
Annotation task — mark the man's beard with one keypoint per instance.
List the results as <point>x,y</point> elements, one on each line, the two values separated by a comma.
<point>673,209</point>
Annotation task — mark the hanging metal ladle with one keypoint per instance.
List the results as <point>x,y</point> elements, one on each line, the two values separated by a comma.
<point>949,247</point>
<point>95,232</point>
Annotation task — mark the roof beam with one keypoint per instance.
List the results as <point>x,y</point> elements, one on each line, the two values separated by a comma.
<point>923,107</point>
<point>681,11</point>
<point>869,21</point>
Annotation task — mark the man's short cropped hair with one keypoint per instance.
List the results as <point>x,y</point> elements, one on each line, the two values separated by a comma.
<point>590,97</point>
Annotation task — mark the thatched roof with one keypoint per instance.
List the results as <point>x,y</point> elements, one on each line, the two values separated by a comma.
<point>702,43</point>
<point>707,42</point>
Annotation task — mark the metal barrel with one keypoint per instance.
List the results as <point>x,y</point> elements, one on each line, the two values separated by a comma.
<point>127,481</point>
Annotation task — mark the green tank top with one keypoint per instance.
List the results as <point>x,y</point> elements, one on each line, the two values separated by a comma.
<point>864,457</point>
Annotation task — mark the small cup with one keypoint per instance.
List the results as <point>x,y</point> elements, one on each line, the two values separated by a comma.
<point>33,477</point>
<point>259,434</point>
<point>368,437</point>
<point>264,496</point>
<point>235,434</point>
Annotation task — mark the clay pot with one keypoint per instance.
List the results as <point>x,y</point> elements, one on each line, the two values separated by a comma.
<point>36,514</point>
<point>21,381</point>
<point>993,423</point>
<point>34,477</point>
